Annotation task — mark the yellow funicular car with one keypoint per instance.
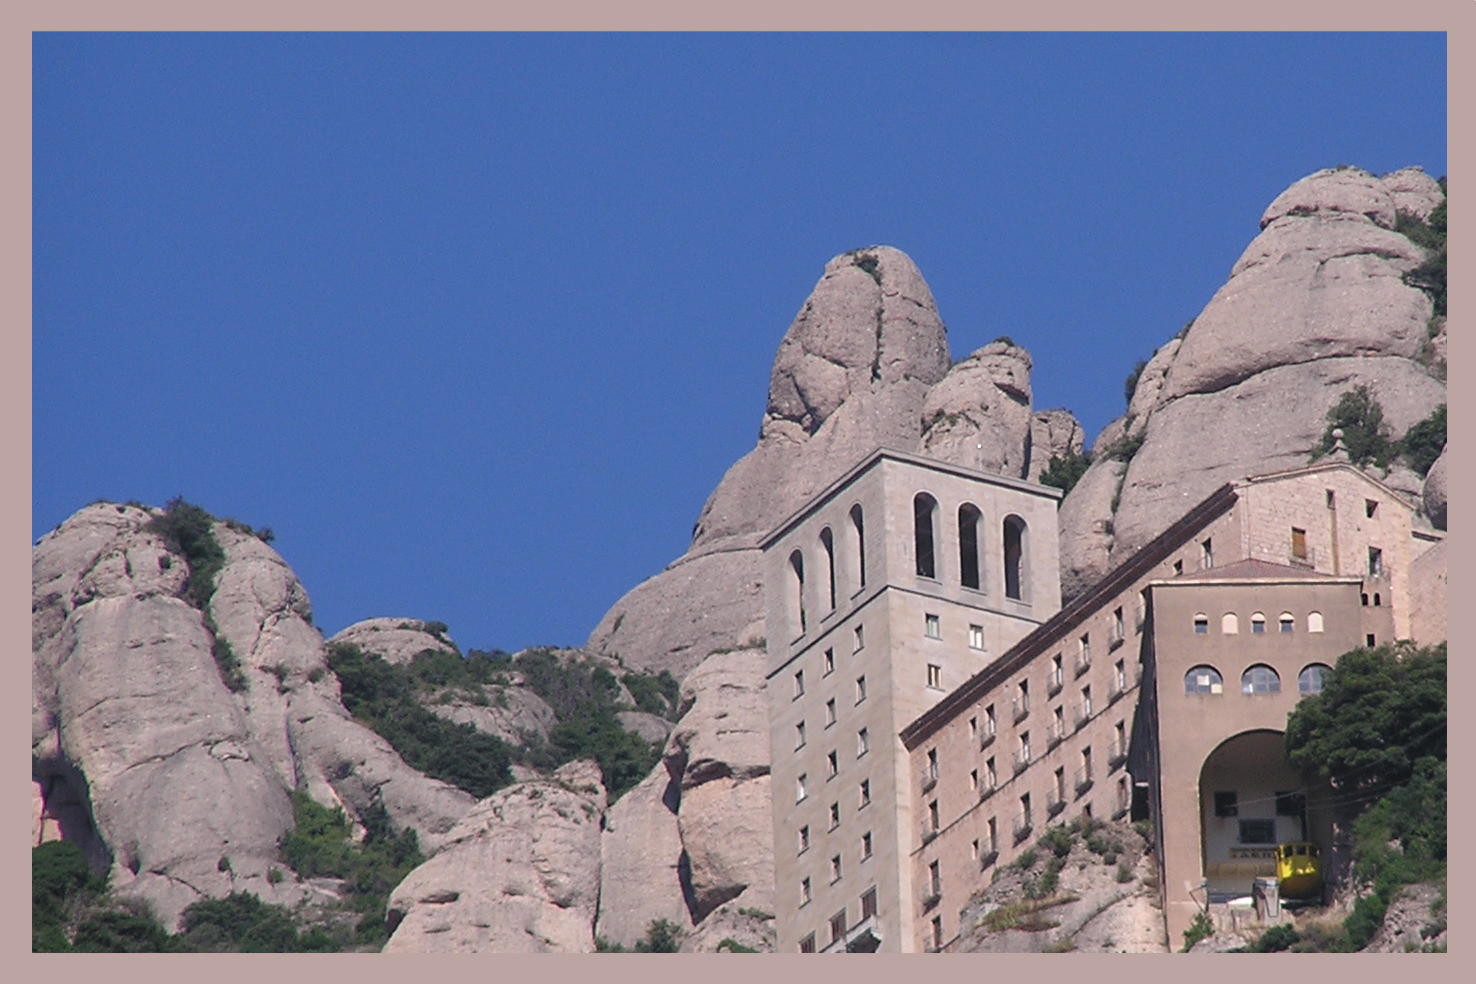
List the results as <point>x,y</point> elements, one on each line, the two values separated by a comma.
<point>1298,870</point>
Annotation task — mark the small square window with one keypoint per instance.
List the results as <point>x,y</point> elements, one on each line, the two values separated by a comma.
<point>932,627</point>
<point>1226,804</point>
<point>829,661</point>
<point>1291,804</point>
<point>935,676</point>
<point>1258,831</point>
<point>807,945</point>
<point>1178,568</point>
<point>868,904</point>
<point>838,924</point>
<point>976,637</point>
<point>1370,508</point>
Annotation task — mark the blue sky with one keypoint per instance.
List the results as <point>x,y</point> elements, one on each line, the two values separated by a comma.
<point>476,322</point>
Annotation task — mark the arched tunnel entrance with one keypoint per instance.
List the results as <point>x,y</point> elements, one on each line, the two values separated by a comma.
<point>1251,800</point>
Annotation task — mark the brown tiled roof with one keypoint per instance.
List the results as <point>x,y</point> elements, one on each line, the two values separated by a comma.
<point>1252,568</point>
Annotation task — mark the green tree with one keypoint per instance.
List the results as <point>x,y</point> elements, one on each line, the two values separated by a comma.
<point>1423,442</point>
<point>1064,471</point>
<point>1361,419</point>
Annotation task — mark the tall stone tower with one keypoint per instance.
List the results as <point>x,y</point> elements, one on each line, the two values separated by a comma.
<point>887,590</point>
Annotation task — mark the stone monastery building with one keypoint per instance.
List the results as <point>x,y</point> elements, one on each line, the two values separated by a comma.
<point>933,707</point>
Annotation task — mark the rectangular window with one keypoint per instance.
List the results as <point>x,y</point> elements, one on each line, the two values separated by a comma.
<point>832,765</point>
<point>1120,671</point>
<point>868,904</point>
<point>807,945</point>
<point>974,849</point>
<point>973,727</point>
<point>1178,568</point>
<point>1086,649</point>
<point>863,742</point>
<point>804,839</point>
<point>834,815</point>
<point>866,845</point>
<point>1299,544</point>
<point>1291,804</point>
<point>1119,628</point>
<point>989,723</point>
<point>1258,831</point>
<point>838,926</point>
<point>1370,508</point>
<point>1206,555</point>
<point>799,790</point>
<point>860,689</point>
<point>933,819</point>
<point>865,792</point>
<point>974,779</point>
<point>804,892</point>
<point>932,627</point>
<point>935,677</point>
<point>990,779</point>
<point>860,639</point>
<point>932,763</point>
<point>993,835</point>
<point>799,736</point>
<point>829,661</point>
<point>1086,702</point>
<point>1226,804</point>
<point>1375,562</point>
<point>937,932</point>
<point>976,637</point>
<point>835,869</point>
<point>1058,674</point>
<point>935,879</point>
<point>799,684</point>
<point>830,712</point>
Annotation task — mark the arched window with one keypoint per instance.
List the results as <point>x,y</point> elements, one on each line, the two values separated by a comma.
<point>1287,622</point>
<point>1016,563</point>
<point>1229,624</point>
<point>1203,680</point>
<point>1258,624</point>
<point>924,509</point>
<point>827,540</point>
<point>1314,621</point>
<point>968,545</point>
<point>860,552</point>
<point>1312,678</point>
<point>1201,624</point>
<point>1260,679</point>
<point>797,592</point>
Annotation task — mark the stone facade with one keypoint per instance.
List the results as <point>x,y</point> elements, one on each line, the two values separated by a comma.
<point>855,656</point>
<point>1068,720</point>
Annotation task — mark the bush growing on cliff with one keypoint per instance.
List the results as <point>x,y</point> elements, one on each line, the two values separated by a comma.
<point>188,530</point>
<point>1423,442</point>
<point>1064,471</point>
<point>1361,419</point>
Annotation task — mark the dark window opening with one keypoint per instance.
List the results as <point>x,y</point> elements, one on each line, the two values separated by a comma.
<point>857,524</point>
<point>923,507</point>
<point>1258,831</point>
<point>968,545</point>
<point>1014,551</point>
<point>1226,804</point>
<point>828,542</point>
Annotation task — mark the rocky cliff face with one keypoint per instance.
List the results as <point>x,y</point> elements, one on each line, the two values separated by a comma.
<point>1315,306</point>
<point>165,773</point>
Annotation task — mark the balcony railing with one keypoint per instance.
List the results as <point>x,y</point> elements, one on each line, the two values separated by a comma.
<point>1083,661</point>
<point>986,789</point>
<point>929,782</point>
<point>1082,715</point>
<point>987,858</point>
<point>1023,826</point>
<point>1020,707</point>
<point>1054,684</point>
<point>929,834</point>
<point>1055,803</point>
<point>1083,779</point>
<point>931,899</point>
<point>1022,760</point>
<point>1118,754</point>
<point>1120,812</point>
<point>1055,734</point>
<point>1116,690</point>
<point>985,740</point>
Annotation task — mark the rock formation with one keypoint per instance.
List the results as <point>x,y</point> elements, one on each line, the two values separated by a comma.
<point>163,772</point>
<point>1315,306</point>
<point>1433,493</point>
<point>520,873</point>
<point>395,640</point>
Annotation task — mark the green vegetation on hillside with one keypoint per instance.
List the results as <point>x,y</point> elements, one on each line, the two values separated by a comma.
<point>382,696</point>
<point>1423,442</point>
<point>189,530</point>
<point>1130,385</point>
<point>1430,275</point>
<point>1361,419</point>
<point>1064,471</point>
<point>1378,732</point>
<point>662,936</point>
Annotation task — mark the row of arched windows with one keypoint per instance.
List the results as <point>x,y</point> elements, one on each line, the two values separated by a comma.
<point>1257,679</point>
<point>1230,623</point>
<point>856,574</point>
<point>971,545</point>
